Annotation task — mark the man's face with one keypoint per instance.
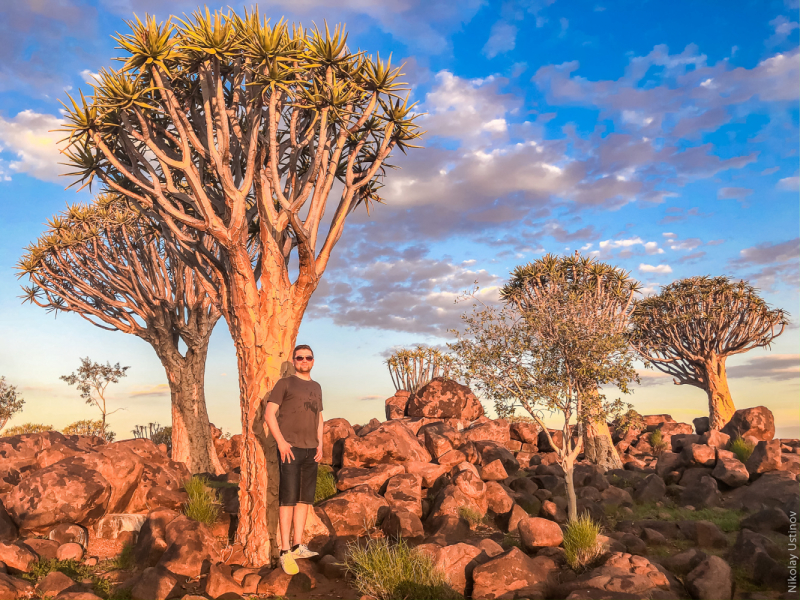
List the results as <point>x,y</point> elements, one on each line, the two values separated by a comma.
<point>303,360</point>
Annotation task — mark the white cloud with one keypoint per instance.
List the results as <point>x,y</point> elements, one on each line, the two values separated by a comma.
<point>649,247</point>
<point>789,183</point>
<point>501,39</point>
<point>668,234</point>
<point>90,77</point>
<point>30,137</point>
<point>660,269</point>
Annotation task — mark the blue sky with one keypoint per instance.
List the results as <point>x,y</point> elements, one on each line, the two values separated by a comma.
<point>662,137</point>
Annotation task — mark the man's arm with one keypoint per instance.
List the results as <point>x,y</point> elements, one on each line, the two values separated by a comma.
<point>283,446</point>
<point>318,455</point>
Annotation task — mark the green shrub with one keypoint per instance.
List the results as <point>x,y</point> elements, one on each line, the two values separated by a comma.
<point>44,566</point>
<point>27,428</point>
<point>125,560</point>
<point>203,504</point>
<point>580,542</point>
<point>656,440</point>
<point>741,448</point>
<point>326,484</point>
<point>472,516</point>
<point>396,571</point>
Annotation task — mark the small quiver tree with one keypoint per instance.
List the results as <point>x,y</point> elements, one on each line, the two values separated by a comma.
<point>693,325</point>
<point>581,308</point>
<point>11,402</point>
<point>92,380</point>
<point>412,369</point>
<point>231,126</point>
<point>110,264</point>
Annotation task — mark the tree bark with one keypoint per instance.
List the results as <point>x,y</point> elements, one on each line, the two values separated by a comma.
<point>572,500</point>
<point>598,446</point>
<point>720,403</point>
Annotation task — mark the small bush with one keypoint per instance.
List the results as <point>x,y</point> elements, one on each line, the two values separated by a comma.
<point>203,504</point>
<point>472,516</point>
<point>44,566</point>
<point>580,542</point>
<point>389,571</point>
<point>90,427</point>
<point>26,428</point>
<point>656,440</point>
<point>125,560</point>
<point>741,448</point>
<point>326,484</point>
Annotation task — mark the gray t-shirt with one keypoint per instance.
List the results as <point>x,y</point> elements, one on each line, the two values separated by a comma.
<point>300,404</point>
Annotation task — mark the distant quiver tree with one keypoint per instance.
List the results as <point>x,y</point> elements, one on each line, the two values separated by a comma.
<point>11,401</point>
<point>693,325</point>
<point>412,369</point>
<point>231,126</point>
<point>92,380</point>
<point>582,308</point>
<point>110,264</point>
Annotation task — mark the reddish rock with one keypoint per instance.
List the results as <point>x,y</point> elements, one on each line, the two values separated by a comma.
<point>12,587</point>
<point>447,529</point>
<point>544,443</point>
<point>427,471</point>
<point>777,488</point>
<point>160,497</point>
<point>668,462</point>
<point>494,431</point>
<point>350,511</point>
<point>511,575</point>
<point>498,499</point>
<point>701,494</point>
<point>494,471</point>
<point>405,492</point>
<point>392,442</point>
<point>708,535</point>
<point>396,405</point>
<point>449,459</point>
<point>731,472</point>
<point>191,547</point>
<point>220,581</point>
<point>53,584</point>
<point>766,457</point>
<point>651,489</point>
<point>70,551</point>
<point>278,583</point>
<point>444,398</point>
<point>715,439</point>
<point>699,454</point>
<point>21,454</point>
<point>458,561</point>
<point>711,580</point>
<point>614,496</point>
<point>535,533</point>
<point>120,467</point>
<point>526,432</point>
<point>350,477</point>
<point>401,523</point>
<point>17,556</point>
<point>756,422</point>
<point>60,493</point>
<point>8,529</point>
<point>47,549</point>
<point>470,451</point>
<point>491,451</point>
<point>436,444</point>
<point>155,583</point>
<point>517,515</point>
<point>621,576</point>
<point>64,533</point>
<point>158,471</point>
<point>368,428</point>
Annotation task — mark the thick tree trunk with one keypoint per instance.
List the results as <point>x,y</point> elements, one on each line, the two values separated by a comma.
<point>720,403</point>
<point>572,501</point>
<point>192,442</point>
<point>598,447</point>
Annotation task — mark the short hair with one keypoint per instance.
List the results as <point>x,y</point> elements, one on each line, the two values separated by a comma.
<point>302,347</point>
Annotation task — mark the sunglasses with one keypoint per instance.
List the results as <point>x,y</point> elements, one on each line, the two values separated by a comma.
<point>308,358</point>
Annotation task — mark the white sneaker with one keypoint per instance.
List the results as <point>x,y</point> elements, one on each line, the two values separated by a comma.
<point>303,552</point>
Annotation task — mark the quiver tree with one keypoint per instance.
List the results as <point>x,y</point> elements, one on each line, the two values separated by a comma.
<point>225,126</point>
<point>412,369</point>
<point>11,402</point>
<point>110,265</point>
<point>693,325</point>
<point>581,307</point>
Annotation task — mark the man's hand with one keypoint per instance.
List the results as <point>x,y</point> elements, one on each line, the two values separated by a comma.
<point>286,452</point>
<point>318,455</point>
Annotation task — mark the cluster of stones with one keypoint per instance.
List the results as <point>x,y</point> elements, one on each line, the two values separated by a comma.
<point>441,475</point>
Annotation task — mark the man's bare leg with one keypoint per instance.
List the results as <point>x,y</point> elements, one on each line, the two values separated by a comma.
<point>286,513</point>
<point>299,521</point>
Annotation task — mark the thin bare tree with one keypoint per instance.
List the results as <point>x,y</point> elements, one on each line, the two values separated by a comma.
<point>231,126</point>
<point>92,380</point>
<point>693,325</point>
<point>11,401</point>
<point>110,265</point>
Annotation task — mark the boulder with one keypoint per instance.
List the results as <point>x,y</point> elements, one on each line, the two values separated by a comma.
<point>651,489</point>
<point>17,557</point>
<point>111,526</point>
<point>526,432</point>
<point>493,431</point>
<point>699,454</point>
<point>69,551</point>
<point>435,444</point>
<point>375,477</point>
<point>351,511</point>
<point>748,546</point>
<point>466,491</point>
<point>459,562</point>
<point>512,575</point>
<point>427,471</point>
<point>710,580</point>
<point>53,584</point>
<point>191,547</point>
<point>444,399</point>
<point>668,462</point>
<point>701,425</point>
<point>368,428</point>
<point>497,498</point>
<point>756,422</point>
<point>449,459</point>
<point>701,494</point>
<point>544,443</point>
<point>46,549</point>
<point>278,583</point>
<point>535,533</point>
<point>731,472</point>
<point>155,583</point>
<point>766,457</point>
<point>21,454</point>
<point>615,496</point>
<point>683,562</point>
<point>405,491</point>
<point>119,466</point>
<point>767,519</point>
<point>161,497</point>
<point>708,535</point>
<point>151,541</point>
<point>776,488</point>
<point>392,442</point>
<point>493,471</point>
<point>396,405</point>
<point>158,471</point>
<point>715,439</point>
<point>61,493</point>
<point>65,533</point>
<point>490,451</point>
<point>621,576</point>
<point>12,587</point>
<point>401,523</point>
<point>447,529</point>
<point>220,582</point>
<point>8,529</point>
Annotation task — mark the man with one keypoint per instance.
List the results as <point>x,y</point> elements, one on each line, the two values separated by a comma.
<point>294,417</point>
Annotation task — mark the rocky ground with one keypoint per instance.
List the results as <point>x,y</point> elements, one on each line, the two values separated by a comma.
<point>485,498</point>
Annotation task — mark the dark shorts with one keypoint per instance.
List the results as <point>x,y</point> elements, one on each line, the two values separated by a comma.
<point>298,478</point>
